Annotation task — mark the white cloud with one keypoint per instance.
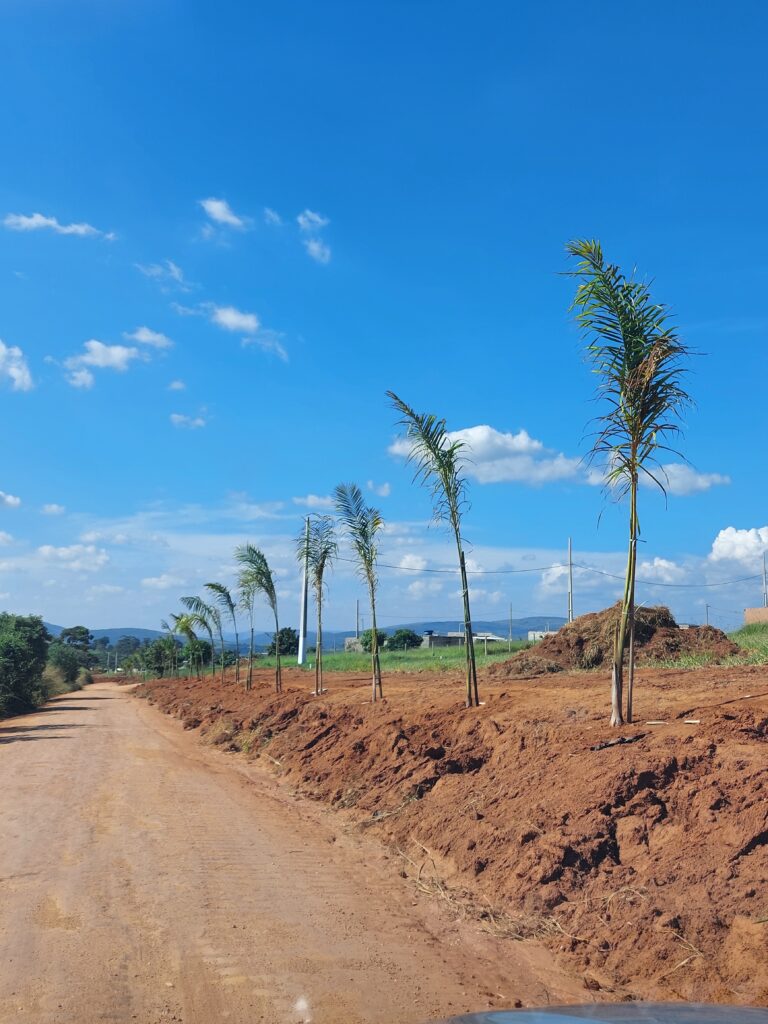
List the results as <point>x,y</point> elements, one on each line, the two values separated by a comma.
<point>53,510</point>
<point>109,357</point>
<point>310,221</point>
<point>38,222</point>
<point>100,356</point>
<point>168,274</point>
<point>81,378</point>
<point>232,319</point>
<point>740,545</point>
<point>190,422</point>
<point>5,538</point>
<point>493,456</point>
<point>680,479</point>
<point>145,336</point>
<point>314,501</point>
<point>13,365</point>
<point>177,385</point>
<point>79,557</point>
<point>318,250</point>
<point>268,341</point>
<point>163,582</point>
<point>9,500</point>
<point>221,212</point>
<point>424,588</point>
<point>272,216</point>
<point>383,490</point>
<point>661,570</point>
<point>410,561</point>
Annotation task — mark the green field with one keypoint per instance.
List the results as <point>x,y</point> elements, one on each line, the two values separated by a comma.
<point>416,660</point>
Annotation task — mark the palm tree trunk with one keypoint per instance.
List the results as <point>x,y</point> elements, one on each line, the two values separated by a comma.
<point>249,681</point>
<point>237,651</point>
<point>626,618</point>
<point>221,641</point>
<point>473,697</point>
<point>319,646</point>
<point>633,567</point>
<point>375,660</point>
<point>278,673</point>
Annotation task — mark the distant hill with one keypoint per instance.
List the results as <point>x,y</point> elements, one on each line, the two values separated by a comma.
<point>336,638</point>
<point>114,633</point>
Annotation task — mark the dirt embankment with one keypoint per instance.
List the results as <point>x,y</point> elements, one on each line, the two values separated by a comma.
<point>587,643</point>
<point>645,864</point>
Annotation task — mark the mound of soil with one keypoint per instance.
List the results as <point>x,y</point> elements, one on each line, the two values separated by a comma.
<point>645,865</point>
<point>587,643</point>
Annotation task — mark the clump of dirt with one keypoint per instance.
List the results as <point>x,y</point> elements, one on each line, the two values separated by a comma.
<point>644,865</point>
<point>587,643</point>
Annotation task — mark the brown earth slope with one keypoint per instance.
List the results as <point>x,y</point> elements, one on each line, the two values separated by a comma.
<point>645,864</point>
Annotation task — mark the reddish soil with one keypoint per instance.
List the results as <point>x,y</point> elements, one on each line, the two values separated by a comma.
<point>587,643</point>
<point>644,865</point>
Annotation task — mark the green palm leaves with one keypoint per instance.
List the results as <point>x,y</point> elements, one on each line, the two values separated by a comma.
<point>362,524</point>
<point>438,462</point>
<point>640,365</point>
<point>317,545</point>
<point>255,577</point>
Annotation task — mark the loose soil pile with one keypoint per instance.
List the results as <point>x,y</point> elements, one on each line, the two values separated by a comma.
<point>587,643</point>
<point>645,865</point>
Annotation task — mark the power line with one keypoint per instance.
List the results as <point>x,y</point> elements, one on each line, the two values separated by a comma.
<point>561,565</point>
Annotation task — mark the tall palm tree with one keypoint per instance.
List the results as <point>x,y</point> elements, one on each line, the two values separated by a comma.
<point>640,364</point>
<point>223,598</point>
<point>247,598</point>
<point>183,625</point>
<point>208,618</point>
<point>256,573</point>
<point>317,548</point>
<point>438,462</point>
<point>170,648</point>
<point>362,524</point>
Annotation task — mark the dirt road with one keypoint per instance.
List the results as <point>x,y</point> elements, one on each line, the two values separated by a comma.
<point>143,878</point>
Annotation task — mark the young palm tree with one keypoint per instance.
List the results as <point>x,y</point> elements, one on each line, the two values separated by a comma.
<point>255,573</point>
<point>247,598</point>
<point>207,617</point>
<point>171,648</point>
<point>317,546</point>
<point>639,361</point>
<point>223,598</point>
<point>438,462</point>
<point>183,625</point>
<point>362,523</point>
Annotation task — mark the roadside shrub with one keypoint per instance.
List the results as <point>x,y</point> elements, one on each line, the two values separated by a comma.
<point>23,652</point>
<point>84,678</point>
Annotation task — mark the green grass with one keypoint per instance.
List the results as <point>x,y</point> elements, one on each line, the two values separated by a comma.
<point>753,641</point>
<point>440,659</point>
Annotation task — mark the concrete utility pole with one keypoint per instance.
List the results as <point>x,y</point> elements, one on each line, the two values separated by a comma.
<point>706,613</point>
<point>765,585</point>
<point>304,596</point>
<point>357,619</point>
<point>509,643</point>
<point>570,581</point>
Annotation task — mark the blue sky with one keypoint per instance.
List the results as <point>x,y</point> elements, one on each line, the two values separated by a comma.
<point>290,208</point>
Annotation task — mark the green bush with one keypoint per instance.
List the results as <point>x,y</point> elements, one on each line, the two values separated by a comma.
<point>366,638</point>
<point>23,652</point>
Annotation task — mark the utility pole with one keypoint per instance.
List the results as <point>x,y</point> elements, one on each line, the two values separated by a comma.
<point>509,643</point>
<point>570,581</point>
<point>304,596</point>
<point>706,613</point>
<point>357,619</point>
<point>765,585</point>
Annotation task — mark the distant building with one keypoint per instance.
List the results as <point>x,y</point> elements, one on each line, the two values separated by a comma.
<point>534,635</point>
<point>456,639</point>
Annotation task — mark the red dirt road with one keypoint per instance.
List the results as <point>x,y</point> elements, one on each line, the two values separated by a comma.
<point>144,879</point>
